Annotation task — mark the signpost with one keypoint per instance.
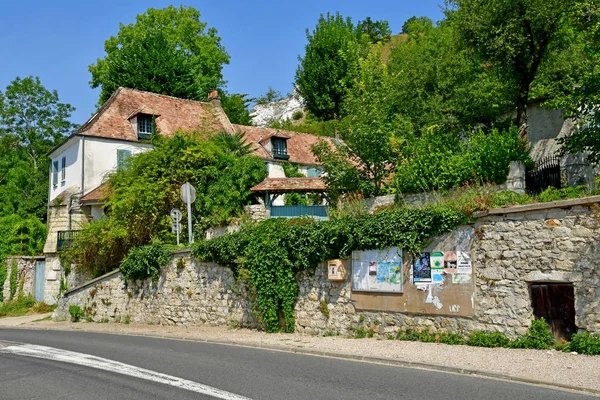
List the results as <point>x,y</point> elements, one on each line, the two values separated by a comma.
<point>188,196</point>
<point>176,227</point>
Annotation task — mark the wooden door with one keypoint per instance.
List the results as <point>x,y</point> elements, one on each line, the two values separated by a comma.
<point>555,302</point>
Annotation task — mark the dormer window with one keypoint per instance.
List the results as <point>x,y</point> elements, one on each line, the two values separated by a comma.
<point>145,126</point>
<point>279,148</point>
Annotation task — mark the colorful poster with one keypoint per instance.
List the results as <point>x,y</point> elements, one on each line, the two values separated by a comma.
<point>395,272</point>
<point>383,272</point>
<point>422,268</point>
<point>463,265</point>
<point>377,270</point>
<point>437,267</point>
<point>450,262</point>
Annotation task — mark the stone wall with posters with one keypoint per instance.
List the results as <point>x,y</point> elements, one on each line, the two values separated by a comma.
<point>478,277</point>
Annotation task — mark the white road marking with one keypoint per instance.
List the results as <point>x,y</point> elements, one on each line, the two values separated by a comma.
<point>87,360</point>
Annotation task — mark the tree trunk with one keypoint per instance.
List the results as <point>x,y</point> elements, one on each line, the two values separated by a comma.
<point>522,111</point>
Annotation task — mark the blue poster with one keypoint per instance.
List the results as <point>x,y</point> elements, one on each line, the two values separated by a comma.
<point>383,272</point>
<point>422,268</point>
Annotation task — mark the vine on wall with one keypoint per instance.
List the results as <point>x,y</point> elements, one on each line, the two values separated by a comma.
<point>272,253</point>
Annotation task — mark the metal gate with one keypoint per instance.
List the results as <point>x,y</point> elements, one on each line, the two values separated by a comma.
<point>40,279</point>
<point>545,174</point>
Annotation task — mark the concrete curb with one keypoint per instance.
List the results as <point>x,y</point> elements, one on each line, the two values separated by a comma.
<point>349,357</point>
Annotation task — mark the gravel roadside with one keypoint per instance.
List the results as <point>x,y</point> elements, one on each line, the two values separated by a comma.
<point>548,367</point>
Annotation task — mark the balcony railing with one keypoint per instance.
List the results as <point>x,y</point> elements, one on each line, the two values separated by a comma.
<point>316,212</point>
<point>65,239</point>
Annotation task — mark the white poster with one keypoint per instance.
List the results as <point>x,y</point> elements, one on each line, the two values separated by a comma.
<point>377,270</point>
<point>463,265</point>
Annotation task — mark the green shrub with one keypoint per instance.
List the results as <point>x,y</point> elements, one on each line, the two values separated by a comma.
<point>360,333</point>
<point>584,343</point>
<point>75,312</point>
<point>450,338</point>
<point>297,115</point>
<point>438,161</point>
<point>539,337</point>
<point>146,262</point>
<point>409,335</point>
<point>487,339</point>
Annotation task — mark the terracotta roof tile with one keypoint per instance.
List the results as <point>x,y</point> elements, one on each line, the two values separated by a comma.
<point>112,120</point>
<point>281,185</point>
<point>299,145</point>
<point>97,195</point>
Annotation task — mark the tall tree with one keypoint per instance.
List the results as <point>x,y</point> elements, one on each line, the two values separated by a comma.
<point>366,158</point>
<point>32,121</point>
<point>168,51</point>
<point>515,36</point>
<point>322,76</point>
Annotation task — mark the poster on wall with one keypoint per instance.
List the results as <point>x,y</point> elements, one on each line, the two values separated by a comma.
<point>437,267</point>
<point>377,270</point>
<point>450,262</point>
<point>422,268</point>
<point>463,265</point>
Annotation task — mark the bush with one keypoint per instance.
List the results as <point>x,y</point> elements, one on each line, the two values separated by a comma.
<point>487,339</point>
<point>584,343</point>
<point>19,306</point>
<point>2,278</point>
<point>76,313</point>
<point>297,115</point>
<point>437,161</point>
<point>539,337</point>
<point>146,262</point>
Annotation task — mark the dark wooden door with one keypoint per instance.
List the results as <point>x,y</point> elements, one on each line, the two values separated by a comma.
<point>555,302</point>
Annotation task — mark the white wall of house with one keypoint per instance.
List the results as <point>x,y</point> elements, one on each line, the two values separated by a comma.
<point>72,172</point>
<point>101,158</point>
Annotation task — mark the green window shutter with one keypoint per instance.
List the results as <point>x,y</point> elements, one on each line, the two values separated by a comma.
<point>55,173</point>
<point>313,172</point>
<point>122,156</point>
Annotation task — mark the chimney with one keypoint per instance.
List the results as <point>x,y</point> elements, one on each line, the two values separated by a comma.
<point>214,99</point>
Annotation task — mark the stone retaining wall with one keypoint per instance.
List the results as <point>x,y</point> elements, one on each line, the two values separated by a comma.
<point>512,248</point>
<point>25,275</point>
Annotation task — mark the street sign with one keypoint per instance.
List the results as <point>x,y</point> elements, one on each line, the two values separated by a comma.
<point>188,196</point>
<point>187,191</point>
<point>176,215</point>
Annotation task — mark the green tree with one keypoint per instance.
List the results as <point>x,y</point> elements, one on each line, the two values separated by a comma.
<point>417,25</point>
<point>32,121</point>
<point>168,51</point>
<point>376,31</point>
<point>236,107</point>
<point>516,36</point>
<point>323,76</point>
<point>143,194</point>
<point>439,83</point>
<point>366,159</point>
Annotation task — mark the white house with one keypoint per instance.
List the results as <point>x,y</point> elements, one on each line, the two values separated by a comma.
<point>120,129</point>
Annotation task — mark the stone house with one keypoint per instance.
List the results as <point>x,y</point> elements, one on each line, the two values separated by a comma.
<point>121,128</point>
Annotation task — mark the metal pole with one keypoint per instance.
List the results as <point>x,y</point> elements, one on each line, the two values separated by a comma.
<point>189,210</point>
<point>177,228</point>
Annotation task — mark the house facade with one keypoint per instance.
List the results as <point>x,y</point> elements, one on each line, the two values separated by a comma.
<point>81,164</point>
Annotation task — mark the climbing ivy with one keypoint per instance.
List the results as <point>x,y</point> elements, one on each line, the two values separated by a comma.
<point>270,254</point>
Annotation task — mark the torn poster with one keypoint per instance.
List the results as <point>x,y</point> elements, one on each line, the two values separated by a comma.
<point>422,268</point>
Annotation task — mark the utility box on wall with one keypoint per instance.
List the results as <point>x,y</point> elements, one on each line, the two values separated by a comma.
<point>336,270</point>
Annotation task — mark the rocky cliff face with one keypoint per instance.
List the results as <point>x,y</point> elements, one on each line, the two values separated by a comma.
<point>265,114</point>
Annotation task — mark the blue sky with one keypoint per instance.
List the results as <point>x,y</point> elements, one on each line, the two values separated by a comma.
<point>57,40</point>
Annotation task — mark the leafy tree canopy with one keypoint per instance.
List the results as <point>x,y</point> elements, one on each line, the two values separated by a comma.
<point>518,37</point>
<point>417,25</point>
<point>322,76</point>
<point>143,193</point>
<point>167,51</point>
<point>32,121</point>
<point>376,31</point>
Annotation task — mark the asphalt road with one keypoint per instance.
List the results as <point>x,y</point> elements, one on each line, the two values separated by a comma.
<point>254,373</point>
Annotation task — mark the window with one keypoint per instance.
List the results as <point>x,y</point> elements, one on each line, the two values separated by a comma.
<point>122,156</point>
<point>55,173</point>
<point>279,148</point>
<point>63,171</point>
<point>313,172</point>
<point>145,126</point>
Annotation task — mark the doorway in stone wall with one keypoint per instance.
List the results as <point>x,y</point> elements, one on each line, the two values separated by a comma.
<point>555,302</point>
